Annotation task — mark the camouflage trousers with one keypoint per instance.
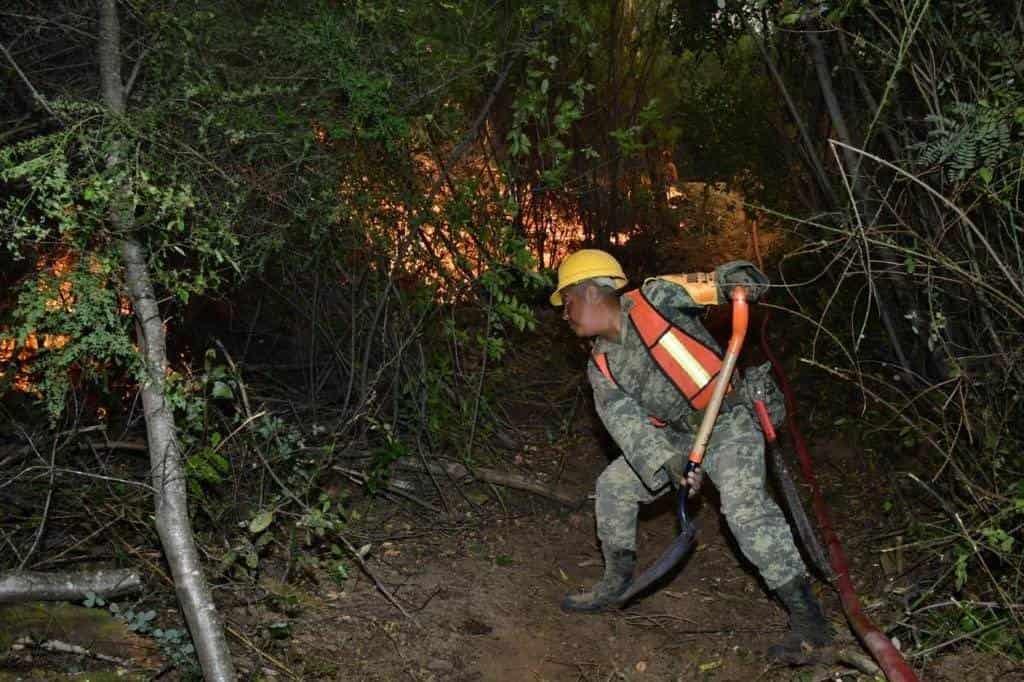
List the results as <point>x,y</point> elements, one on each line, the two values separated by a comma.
<point>735,463</point>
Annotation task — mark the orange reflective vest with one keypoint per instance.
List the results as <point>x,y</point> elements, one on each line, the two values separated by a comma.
<point>689,364</point>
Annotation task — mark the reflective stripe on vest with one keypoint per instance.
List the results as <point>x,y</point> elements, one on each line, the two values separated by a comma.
<point>688,364</point>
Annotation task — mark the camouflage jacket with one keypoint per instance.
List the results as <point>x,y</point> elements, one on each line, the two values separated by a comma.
<point>641,389</point>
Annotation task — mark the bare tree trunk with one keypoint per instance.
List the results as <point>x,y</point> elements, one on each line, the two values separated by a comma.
<point>835,112</point>
<point>172,521</point>
<point>21,586</point>
<point>887,291</point>
<point>869,98</point>
<point>805,137</point>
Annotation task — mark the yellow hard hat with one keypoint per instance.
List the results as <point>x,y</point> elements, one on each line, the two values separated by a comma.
<point>585,264</point>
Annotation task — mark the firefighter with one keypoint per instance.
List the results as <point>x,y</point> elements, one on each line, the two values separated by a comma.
<point>649,395</point>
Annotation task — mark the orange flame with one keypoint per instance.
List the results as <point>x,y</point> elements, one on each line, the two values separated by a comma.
<point>63,299</point>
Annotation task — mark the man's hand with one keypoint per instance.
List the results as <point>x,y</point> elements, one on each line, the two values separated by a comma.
<point>676,469</point>
<point>694,480</point>
<point>740,273</point>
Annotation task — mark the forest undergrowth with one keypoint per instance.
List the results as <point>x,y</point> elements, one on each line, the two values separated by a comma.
<point>350,241</point>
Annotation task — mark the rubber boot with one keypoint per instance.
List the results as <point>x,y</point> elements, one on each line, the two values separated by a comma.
<point>808,629</point>
<point>619,565</point>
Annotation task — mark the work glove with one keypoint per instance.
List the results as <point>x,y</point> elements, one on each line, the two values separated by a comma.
<point>676,470</point>
<point>740,273</point>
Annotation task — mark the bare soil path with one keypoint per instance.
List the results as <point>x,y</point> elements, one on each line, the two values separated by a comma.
<point>485,598</point>
<point>486,603</point>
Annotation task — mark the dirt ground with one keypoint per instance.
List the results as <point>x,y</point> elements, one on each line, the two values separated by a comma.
<point>481,596</point>
<point>483,600</point>
<point>487,606</point>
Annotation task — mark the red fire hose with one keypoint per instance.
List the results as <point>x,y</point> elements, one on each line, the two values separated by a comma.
<point>881,648</point>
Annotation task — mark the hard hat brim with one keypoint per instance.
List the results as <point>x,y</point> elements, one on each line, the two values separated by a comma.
<point>556,297</point>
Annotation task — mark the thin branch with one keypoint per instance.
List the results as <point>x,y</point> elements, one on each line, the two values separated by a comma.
<point>376,581</point>
<point>66,648</point>
<point>21,74</point>
<point>135,72</point>
<point>75,472</point>
<point>46,509</point>
<point>1011,279</point>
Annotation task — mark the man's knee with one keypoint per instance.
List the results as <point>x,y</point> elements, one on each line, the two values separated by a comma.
<point>746,504</point>
<point>738,469</point>
<point>617,481</point>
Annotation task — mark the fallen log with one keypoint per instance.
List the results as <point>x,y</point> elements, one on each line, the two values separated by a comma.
<point>73,629</point>
<point>137,446</point>
<point>454,470</point>
<point>20,586</point>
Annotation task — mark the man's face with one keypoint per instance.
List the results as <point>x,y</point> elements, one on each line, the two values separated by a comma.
<point>580,308</point>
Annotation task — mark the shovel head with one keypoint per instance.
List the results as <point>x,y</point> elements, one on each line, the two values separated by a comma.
<point>672,555</point>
